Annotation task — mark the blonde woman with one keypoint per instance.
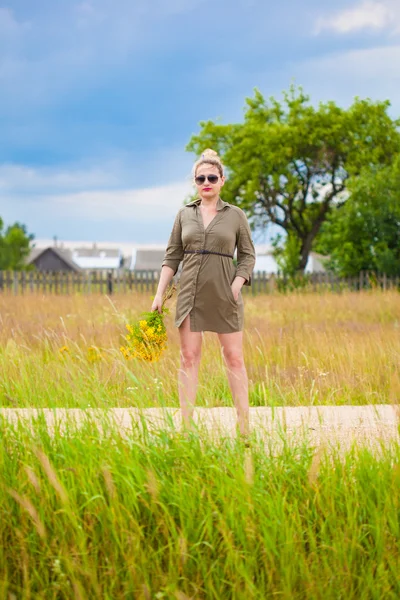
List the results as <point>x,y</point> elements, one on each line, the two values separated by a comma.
<point>204,235</point>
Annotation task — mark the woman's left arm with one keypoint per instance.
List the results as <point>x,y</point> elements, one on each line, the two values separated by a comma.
<point>246,255</point>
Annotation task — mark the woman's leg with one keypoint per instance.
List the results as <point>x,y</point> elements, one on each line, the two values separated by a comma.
<point>189,369</point>
<point>232,350</point>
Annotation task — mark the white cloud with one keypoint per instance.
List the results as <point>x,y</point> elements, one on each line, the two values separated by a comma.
<point>145,215</point>
<point>122,198</point>
<point>140,204</point>
<point>370,73</point>
<point>20,178</point>
<point>116,170</point>
<point>369,14</point>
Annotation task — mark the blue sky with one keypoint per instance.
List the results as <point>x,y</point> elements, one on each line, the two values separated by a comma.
<point>99,97</point>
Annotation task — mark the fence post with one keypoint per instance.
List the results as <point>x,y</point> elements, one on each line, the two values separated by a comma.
<point>109,283</point>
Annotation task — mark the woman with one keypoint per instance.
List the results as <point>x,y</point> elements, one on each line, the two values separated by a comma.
<point>204,235</point>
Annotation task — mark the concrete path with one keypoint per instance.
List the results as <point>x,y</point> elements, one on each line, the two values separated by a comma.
<point>372,425</point>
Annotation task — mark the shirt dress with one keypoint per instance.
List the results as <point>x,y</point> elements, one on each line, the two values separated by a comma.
<point>205,282</point>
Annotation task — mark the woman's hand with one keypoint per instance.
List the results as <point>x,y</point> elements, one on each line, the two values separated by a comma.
<point>235,292</point>
<point>237,286</point>
<point>157,303</point>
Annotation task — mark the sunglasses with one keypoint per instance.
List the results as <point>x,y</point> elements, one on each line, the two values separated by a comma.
<point>200,179</point>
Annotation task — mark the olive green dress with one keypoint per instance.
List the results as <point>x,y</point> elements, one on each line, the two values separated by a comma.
<point>205,282</point>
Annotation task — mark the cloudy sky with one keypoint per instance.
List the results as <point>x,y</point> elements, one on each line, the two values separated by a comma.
<point>99,97</point>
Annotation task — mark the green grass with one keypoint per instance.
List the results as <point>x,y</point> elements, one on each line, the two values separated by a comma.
<point>156,515</point>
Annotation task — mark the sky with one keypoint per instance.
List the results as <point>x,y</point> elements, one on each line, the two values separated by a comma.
<point>100,97</point>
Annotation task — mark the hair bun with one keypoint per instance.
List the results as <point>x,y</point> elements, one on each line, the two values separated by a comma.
<point>209,153</point>
<point>209,157</point>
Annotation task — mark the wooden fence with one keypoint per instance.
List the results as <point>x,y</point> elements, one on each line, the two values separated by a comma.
<point>64,282</point>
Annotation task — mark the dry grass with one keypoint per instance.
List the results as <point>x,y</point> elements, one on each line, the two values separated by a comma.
<point>300,349</point>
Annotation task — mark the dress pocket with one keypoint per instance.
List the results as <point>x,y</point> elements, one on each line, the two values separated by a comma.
<point>233,297</point>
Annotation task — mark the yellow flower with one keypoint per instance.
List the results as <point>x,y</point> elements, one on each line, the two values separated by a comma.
<point>150,333</point>
<point>146,339</point>
<point>93,354</point>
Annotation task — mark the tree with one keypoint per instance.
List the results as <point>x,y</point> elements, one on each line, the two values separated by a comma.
<point>364,234</point>
<point>14,246</point>
<point>290,163</point>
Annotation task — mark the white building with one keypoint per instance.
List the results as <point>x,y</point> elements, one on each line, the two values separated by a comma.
<point>265,261</point>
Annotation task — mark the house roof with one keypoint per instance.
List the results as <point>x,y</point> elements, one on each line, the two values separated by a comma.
<point>96,262</point>
<point>64,255</point>
<point>124,247</point>
<point>97,258</point>
<point>33,254</point>
<point>149,259</point>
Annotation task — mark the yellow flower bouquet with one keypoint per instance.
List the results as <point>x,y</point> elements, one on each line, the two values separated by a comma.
<point>147,339</point>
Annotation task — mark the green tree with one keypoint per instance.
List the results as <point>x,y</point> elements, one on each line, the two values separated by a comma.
<point>287,254</point>
<point>364,234</point>
<point>289,163</point>
<point>14,246</point>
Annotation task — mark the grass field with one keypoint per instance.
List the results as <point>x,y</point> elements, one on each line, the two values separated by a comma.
<point>155,515</point>
<point>299,350</point>
<point>90,516</point>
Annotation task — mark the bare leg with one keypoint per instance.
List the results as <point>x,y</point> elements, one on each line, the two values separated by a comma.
<point>189,370</point>
<point>232,350</point>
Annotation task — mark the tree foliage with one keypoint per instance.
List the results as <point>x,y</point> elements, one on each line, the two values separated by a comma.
<point>14,246</point>
<point>289,163</point>
<point>364,234</point>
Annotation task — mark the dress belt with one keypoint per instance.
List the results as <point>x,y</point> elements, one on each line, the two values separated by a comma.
<point>207,252</point>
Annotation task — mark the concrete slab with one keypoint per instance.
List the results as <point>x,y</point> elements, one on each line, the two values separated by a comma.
<point>370,425</point>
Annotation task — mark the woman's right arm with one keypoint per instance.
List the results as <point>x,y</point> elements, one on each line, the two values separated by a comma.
<point>172,258</point>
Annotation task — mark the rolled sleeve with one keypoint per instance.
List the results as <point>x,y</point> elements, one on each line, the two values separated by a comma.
<point>246,255</point>
<point>174,251</point>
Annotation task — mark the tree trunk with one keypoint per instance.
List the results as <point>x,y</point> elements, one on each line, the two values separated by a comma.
<point>305,250</point>
<point>307,240</point>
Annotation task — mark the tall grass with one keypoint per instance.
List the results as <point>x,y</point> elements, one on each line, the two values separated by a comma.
<point>300,349</point>
<point>152,514</point>
<point>90,515</point>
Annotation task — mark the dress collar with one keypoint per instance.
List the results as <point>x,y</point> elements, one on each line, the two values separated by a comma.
<point>220,203</point>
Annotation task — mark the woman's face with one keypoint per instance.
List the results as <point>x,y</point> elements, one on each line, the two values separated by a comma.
<point>208,189</point>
